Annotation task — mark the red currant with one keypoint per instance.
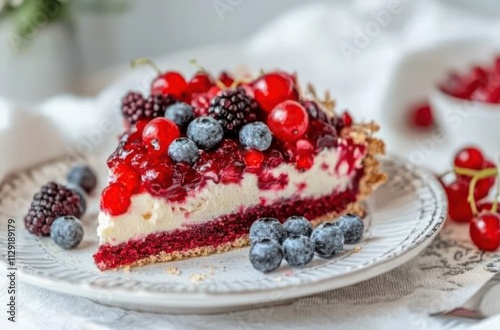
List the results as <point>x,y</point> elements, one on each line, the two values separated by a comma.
<point>170,83</point>
<point>485,231</point>
<point>470,158</point>
<point>421,116</point>
<point>226,79</point>
<point>200,83</point>
<point>213,91</point>
<point>484,186</point>
<point>126,176</point>
<point>347,119</point>
<point>200,103</point>
<point>304,162</point>
<point>485,206</point>
<point>115,199</point>
<point>459,208</point>
<point>497,64</point>
<point>158,178</point>
<point>304,147</point>
<point>288,121</point>
<point>159,133</point>
<point>253,159</point>
<point>273,88</point>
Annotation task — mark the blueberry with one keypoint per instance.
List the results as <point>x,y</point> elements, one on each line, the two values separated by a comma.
<point>328,240</point>
<point>180,113</point>
<point>67,232</point>
<point>298,250</point>
<point>266,255</point>
<point>83,176</point>
<point>267,228</point>
<point>83,196</point>
<point>256,135</point>
<point>297,225</point>
<point>352,227</point>
<point>183,150</point>
<point>206,132</point>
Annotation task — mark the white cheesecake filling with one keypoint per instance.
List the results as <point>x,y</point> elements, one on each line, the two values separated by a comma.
<point>148,214</point>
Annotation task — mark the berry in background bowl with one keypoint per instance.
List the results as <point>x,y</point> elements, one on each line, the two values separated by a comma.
<point>467,106</point>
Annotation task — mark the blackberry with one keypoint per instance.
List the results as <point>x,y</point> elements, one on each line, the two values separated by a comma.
<point>233,108</point>
<point>135,107</point>
<point>52,201</point>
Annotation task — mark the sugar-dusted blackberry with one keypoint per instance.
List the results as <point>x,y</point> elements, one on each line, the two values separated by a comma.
<point>52,201</point>
<point>233,108</point>
<point>135,107</point>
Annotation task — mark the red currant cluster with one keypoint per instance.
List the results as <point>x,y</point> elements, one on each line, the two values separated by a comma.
<point>475,176</point>
<point>480,84</point>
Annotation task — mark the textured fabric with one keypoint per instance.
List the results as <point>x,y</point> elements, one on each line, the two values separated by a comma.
<point>442,277</point>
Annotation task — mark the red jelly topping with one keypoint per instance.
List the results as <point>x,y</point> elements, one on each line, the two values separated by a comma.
<point>226,164</point>
<point>300,131</point>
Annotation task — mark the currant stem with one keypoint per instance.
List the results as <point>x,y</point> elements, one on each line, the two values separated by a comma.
<point>494,207</point>
<point>470,197</point>
<point>198,66</point>
<point>476,176</point>
<point>145,61</point>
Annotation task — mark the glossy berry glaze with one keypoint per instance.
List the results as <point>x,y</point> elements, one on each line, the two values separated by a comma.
<point>159,176</point>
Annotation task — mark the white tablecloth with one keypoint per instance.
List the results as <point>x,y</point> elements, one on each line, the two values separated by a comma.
<point>324,44</point>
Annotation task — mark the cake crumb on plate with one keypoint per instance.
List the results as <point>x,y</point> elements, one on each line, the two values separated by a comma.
<point>173,271</point>
<point>195,278</point>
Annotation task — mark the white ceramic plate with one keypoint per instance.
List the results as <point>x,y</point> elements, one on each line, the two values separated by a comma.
<point>404,215</point>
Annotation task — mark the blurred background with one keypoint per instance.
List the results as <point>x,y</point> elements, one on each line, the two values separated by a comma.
<point>55,46</point>
<point>382,60</point>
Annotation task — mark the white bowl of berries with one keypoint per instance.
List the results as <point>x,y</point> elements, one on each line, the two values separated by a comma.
<point>467,106</point>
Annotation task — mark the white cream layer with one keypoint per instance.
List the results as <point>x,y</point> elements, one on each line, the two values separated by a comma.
<point>148,214</point>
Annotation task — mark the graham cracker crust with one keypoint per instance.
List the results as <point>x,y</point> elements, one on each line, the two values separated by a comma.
<point>372,178</point>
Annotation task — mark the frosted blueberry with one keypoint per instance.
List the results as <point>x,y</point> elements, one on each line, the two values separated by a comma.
<point>180,113</point>
<point>183,150</point>
<point>352,227</point>
<point>298,250</point>
<point>256,135</point>
<point>83,176</point>
<point>297,225</point>
<point>266,255</point>
<point>328,240</point>
<point>206,132</point>
<point>267,228</point>
<point>67,232</point>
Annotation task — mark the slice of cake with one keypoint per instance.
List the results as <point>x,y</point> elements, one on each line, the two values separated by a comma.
<point>202,160</point>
